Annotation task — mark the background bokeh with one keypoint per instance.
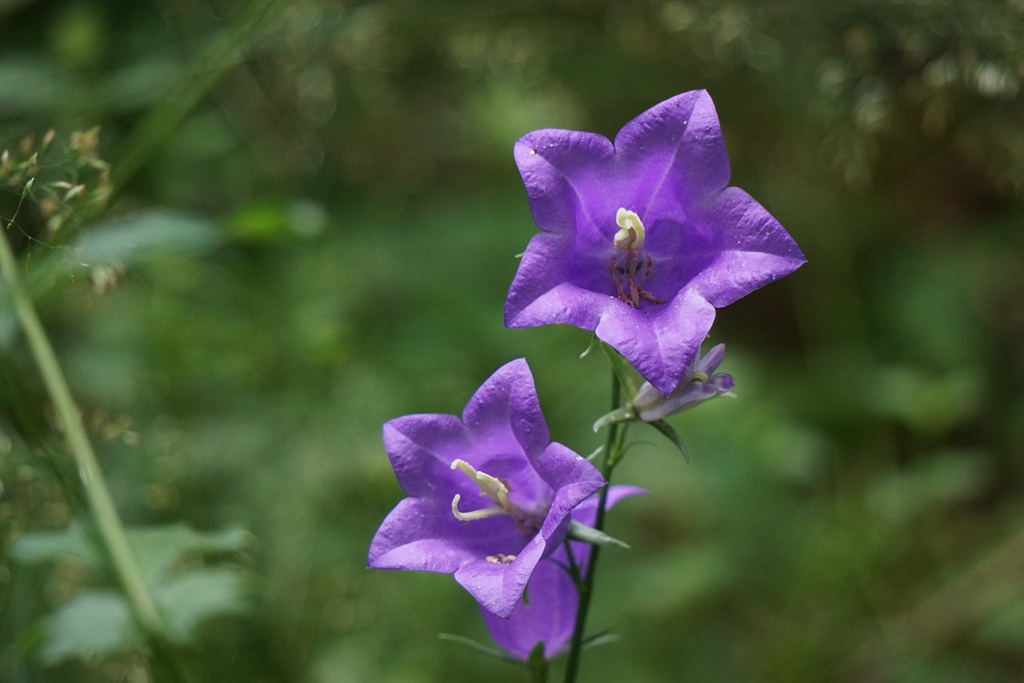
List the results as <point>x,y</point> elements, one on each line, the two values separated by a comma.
<point>313,225</point>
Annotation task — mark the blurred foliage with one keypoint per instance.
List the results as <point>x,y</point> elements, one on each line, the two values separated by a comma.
<point>313,232</point>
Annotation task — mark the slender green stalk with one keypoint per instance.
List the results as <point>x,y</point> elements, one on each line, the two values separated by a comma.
<point>108,524</point>
<point>585,585</point>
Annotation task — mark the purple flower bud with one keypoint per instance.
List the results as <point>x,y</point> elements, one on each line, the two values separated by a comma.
<point>699,384</point>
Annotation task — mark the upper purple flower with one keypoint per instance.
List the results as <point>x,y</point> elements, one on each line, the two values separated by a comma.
<point>489,495</point>
<point>642,239</point>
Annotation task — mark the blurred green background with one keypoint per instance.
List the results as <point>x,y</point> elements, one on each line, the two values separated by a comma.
<point>314,225</point>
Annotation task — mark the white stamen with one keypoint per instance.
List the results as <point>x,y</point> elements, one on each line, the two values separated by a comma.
<point>631,230</point>
<point>473,515</point>
<point>492,487</point>
<point>501,558</point>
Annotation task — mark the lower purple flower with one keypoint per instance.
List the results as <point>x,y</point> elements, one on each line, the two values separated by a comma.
<point>489,495</point>
<point>548,615</point>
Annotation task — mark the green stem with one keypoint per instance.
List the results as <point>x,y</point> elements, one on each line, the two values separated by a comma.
<point>104,514</point>
<point>585,585</point>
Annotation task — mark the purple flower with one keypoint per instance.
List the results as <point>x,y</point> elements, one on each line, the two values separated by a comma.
<point>489,495</point>
<point>699,384</point>
<point>642,240</point>
<point>549,615</point>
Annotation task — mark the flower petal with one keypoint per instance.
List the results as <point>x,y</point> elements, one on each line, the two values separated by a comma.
<point>558,168</point>
<point>753,248</point>
<point>507,405</point>
<point>422,447</point>
<point>422,534</point>
<point>497,586</point>
<point>661,344</point>
<point>676,153</point>
<point>546,615</point>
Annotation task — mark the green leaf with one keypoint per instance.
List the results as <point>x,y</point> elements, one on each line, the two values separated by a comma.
<point>159,549</point>
<point>154,232</point>
<point>95,623</point>
<point>50,546</point>
<point>197,596</point>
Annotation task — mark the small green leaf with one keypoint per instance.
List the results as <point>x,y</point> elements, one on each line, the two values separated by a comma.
<point>95,623</point>
<point>599,639</point>
<point>50,546</point>
<point>160,548</point>
<point>153,232</point>
<point>479,647</point>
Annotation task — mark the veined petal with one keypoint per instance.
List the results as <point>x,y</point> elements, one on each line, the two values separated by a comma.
<point>754,249</point>
<point>507,404</point>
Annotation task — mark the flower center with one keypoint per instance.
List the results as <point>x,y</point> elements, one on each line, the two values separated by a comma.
<point>497,490</point>
<point>630,271</point>
<point>492,487</point>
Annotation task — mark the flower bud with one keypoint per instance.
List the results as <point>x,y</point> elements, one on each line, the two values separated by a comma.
<point>700,383</point>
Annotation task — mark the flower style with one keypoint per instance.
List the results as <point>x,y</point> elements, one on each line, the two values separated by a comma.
<point>549,615</point>
<point>699,384</point>
<point>489,494</point>
<point>641,240</point>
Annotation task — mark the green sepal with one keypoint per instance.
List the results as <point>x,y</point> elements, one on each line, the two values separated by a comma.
<point>617,415</point>
<point>536,664</point>
<point>671,434</point>
<point>588,534</point>
<point>590,347</point>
